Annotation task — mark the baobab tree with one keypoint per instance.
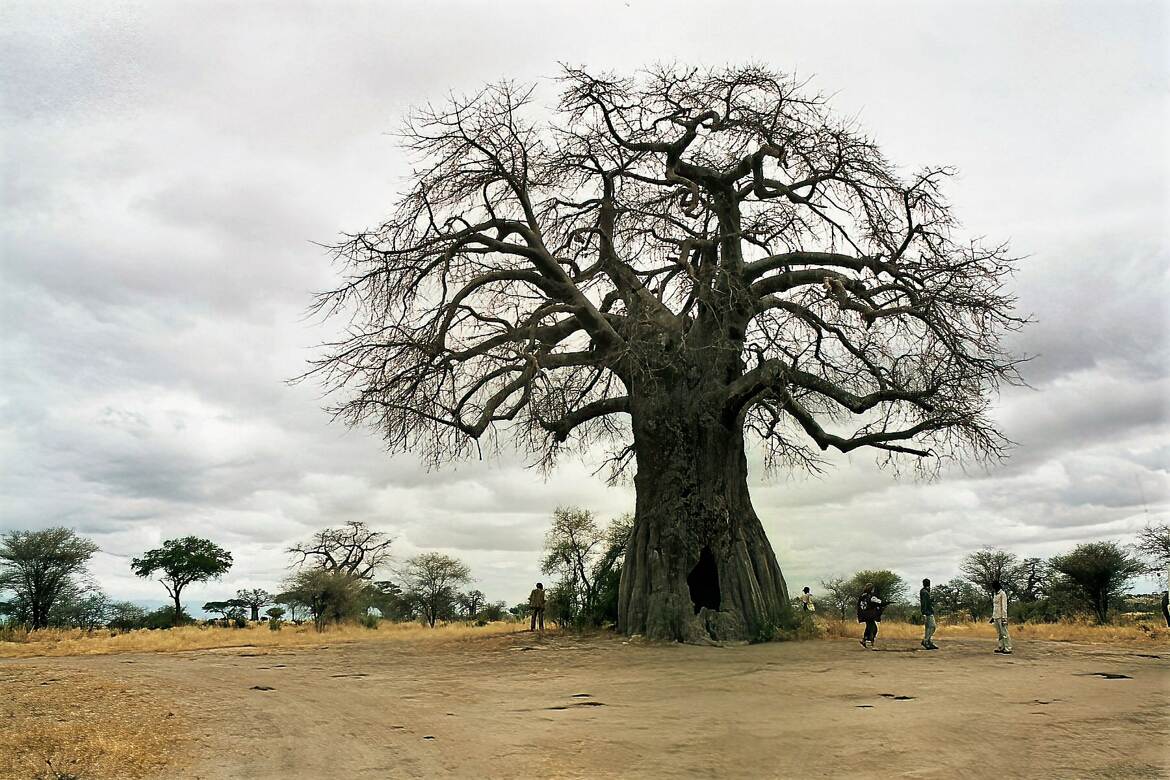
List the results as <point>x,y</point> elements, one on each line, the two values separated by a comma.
<point>353,549</point>
<point>670,264</point>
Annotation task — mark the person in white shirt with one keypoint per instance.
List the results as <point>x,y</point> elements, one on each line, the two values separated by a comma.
<point>806,601</point>
<point>999,616</point>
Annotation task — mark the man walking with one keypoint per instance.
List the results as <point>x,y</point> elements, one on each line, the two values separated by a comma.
<point>999,616</point>
<point>536,604</point>
<point>927,609</point>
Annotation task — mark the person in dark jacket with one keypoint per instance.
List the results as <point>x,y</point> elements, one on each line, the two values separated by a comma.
<point>927,609</point>
<point>536,602</point>
<point>869,611</point>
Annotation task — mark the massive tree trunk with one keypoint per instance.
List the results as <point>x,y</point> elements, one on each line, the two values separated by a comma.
<point>698,565</point>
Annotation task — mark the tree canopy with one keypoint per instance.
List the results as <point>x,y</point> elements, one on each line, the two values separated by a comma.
<point>1099,572</point>
<point>433,580</point>
<point>39,567</point>
<point>533,252</point>
<point>662,263</point>
<point>353,548</point>
<point>181,562</point>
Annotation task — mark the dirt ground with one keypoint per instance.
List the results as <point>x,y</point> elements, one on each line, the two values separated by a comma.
<point>513,706</point>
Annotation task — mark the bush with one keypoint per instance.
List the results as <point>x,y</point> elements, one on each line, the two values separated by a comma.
<point>274,624</point>
<point>369,620</point>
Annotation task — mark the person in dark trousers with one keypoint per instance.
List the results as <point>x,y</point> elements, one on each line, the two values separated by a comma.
<point>536,604</point>
<point>1166,606</point>
<point>869,611</point>
<point>927,609</point>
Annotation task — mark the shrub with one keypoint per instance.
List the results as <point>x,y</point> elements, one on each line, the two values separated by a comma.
<point>370,620</point>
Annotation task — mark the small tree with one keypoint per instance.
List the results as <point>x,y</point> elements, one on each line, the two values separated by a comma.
<point>230,610</point>
<point>181,562</point>
<point>959,597</point>
<point>493,611</point>
<point>1099,573</point>
<point>1153,545</point>
<point>1031,578</point>
<point>389,599</point>
<point>472,602</point>
<point>126,615</point>
<point>838,595</point>
<point>274,617</point>
<point>84,608</point>
<point>353,549</point>
<point>292,603</point>
<point>888,586</point>
<point>433,580</point>
<point>985,566</point>
<point>586,561</point>
<point>331,596</point>
<point>254,599</point>
<point>570,546</point>
<point>39,566</point>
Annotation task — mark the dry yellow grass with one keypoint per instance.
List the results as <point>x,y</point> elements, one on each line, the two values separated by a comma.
<point>1053,632</point>
<point>57,724</point>
<point>62,642</point>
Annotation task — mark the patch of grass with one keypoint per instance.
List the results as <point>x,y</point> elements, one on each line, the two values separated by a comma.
<point>1070,631</point>
<point>63,725</point>
<point>62,642</point>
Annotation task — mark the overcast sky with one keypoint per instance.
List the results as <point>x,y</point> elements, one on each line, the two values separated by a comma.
<point>167,168</point>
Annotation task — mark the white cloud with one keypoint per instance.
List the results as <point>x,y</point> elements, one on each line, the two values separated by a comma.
<point>165,171</point>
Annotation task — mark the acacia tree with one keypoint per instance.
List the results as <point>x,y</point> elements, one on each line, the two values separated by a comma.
<point>40,567</point>
<point>1099,573</point>
<point>181,562</point>
<point>667,263</point>
<point>839,595</point>
<point>433,581</point>
<point>989,565</point>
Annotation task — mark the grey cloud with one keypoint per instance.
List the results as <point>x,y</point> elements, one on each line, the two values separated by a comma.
<point>165,170</point>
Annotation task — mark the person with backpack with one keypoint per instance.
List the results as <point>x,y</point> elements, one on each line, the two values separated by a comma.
<point>869,611</point>
<point>806,601</point>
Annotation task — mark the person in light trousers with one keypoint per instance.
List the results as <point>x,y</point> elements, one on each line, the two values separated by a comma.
<point>999,616</point>
<point>928,621</point>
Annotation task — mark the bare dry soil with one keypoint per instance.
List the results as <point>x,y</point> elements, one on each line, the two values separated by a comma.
<point>518,706</point>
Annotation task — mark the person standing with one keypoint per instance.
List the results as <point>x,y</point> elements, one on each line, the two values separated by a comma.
<point>999,616</point>
<point>869,611</point>
<point>927,609</point>
<point>806,601</point>
<point>1166,599</point>
<point>536,604</point>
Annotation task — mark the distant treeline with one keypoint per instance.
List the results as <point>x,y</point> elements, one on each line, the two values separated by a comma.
<point>1091,580</point>
<point>347,574</point>
<point>341,574</point>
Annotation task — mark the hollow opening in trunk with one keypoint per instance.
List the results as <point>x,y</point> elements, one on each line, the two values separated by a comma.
<point>703,582</point>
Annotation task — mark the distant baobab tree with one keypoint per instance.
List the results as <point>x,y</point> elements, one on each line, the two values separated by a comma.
<point>352,549</point>
<point>671,263</point>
